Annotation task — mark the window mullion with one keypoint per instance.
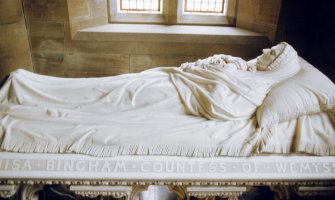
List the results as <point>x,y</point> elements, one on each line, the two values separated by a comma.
<point>170,11</point>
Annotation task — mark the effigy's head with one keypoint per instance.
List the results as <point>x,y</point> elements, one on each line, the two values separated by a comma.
<point>266,61</point>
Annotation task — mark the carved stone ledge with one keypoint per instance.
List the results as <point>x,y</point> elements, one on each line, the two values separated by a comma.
<point>326,183</point>
<point>7,191</point>
<point>94,191</point>
<point>92,194</point>
<point>183,191</point>
<point>308,191</point>
<point>232,193</point>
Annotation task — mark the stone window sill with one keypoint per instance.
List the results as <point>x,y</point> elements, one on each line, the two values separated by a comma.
<point>170,33</point>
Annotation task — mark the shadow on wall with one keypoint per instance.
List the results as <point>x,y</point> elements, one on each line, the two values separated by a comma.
<point>309,26</point>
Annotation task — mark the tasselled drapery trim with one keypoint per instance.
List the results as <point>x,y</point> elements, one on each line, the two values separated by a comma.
<point>131,149</point>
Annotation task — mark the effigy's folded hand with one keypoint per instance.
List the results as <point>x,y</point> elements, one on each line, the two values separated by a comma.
<point>219,62</point>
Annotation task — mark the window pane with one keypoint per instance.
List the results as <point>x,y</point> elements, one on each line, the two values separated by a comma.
<point>204,7</point>
<point>140,6</point>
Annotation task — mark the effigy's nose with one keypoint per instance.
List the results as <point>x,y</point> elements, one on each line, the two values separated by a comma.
<point>266,50</point>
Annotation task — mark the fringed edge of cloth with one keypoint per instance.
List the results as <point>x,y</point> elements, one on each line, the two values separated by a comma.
<point>130,149</point>
<point>325,150</point>
<point>261,143</point>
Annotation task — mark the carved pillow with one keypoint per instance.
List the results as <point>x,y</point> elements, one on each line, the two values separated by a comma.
<point>308,92</point>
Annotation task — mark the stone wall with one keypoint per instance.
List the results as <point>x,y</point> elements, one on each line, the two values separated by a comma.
<point>14,45</point>
<point>259,15</point>
<point>48,27</point>
<point>52,25</point>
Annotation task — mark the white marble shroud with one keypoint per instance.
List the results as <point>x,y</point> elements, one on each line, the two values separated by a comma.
<point>142,114</point>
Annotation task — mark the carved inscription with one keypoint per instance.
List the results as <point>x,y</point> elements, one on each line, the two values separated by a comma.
<point>165,166</point>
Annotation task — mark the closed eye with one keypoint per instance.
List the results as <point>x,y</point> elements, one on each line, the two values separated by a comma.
<point>272,52</point>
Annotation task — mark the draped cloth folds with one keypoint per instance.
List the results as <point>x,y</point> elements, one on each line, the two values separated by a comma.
<point>193,110</point>
<point>222,87</point>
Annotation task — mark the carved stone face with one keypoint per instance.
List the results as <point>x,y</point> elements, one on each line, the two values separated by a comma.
<point>268,56</point>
